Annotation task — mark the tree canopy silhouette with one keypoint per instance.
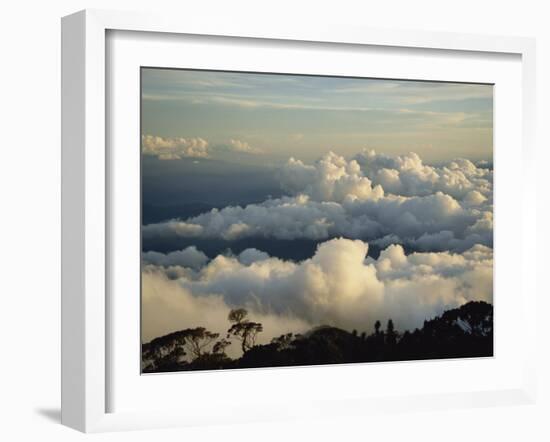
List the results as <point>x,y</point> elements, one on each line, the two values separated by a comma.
<point>220,346</point>
<point>466,331</point>
<point>198,339</point>
<point>243,329</point>
<point>391,335</point>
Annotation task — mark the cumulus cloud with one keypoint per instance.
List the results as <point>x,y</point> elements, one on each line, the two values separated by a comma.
<point>189,257</point>
<point>332,178</point>
<point>252,255</point>
<point>243,146</point>
<point>338,286</point>
<point>174,148</point>
<point>474,198</point>
<point>407,175</point>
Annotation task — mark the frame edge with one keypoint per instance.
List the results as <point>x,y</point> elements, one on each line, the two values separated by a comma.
<point>83,290</point>
<point>73,81</point>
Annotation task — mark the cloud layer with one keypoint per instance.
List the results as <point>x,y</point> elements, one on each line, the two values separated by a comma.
<point>428,208</point>
<point>337,286</point>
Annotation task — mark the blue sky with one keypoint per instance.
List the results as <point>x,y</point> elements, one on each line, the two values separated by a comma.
<point>267,118</point>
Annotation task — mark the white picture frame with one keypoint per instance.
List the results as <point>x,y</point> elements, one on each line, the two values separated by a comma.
<point>86,211</point>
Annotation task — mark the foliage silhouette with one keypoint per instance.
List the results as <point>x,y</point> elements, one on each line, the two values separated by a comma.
<point>243,329</point>
<point>466,331</point>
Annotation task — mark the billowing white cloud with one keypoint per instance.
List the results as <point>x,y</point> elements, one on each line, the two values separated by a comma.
<point>407,175</point>
<point>174,148</point>
<point>189,257</point>
<point>338,286</point>
<point>251,255</point>
<point>474,198</point>
<point>332,178</point>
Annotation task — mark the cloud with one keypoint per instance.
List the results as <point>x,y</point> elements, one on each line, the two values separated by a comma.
<point>474,198</point>
<point>174,148</point>
<point>411,92</point>
<point>331,178</point>
<point>407,175</point>
<point>338,286</point>
<point>252,255</point>
<point>172,228</point>
<point>189,257</point>
<point>243,147</point>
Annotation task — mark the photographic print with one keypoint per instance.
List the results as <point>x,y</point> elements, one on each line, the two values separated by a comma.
<point>298,220</point>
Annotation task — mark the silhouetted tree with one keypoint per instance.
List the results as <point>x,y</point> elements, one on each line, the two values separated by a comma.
<point>237,315</point>
<point>243,329</point>
<point>391,336</point>
<point>198,339</point>
<point>165,352</point>
<point>282,342</point>
<point>220,346</point>
<point>377,326</point>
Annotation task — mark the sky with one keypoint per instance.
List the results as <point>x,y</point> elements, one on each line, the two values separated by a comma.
<point>270,117</point>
